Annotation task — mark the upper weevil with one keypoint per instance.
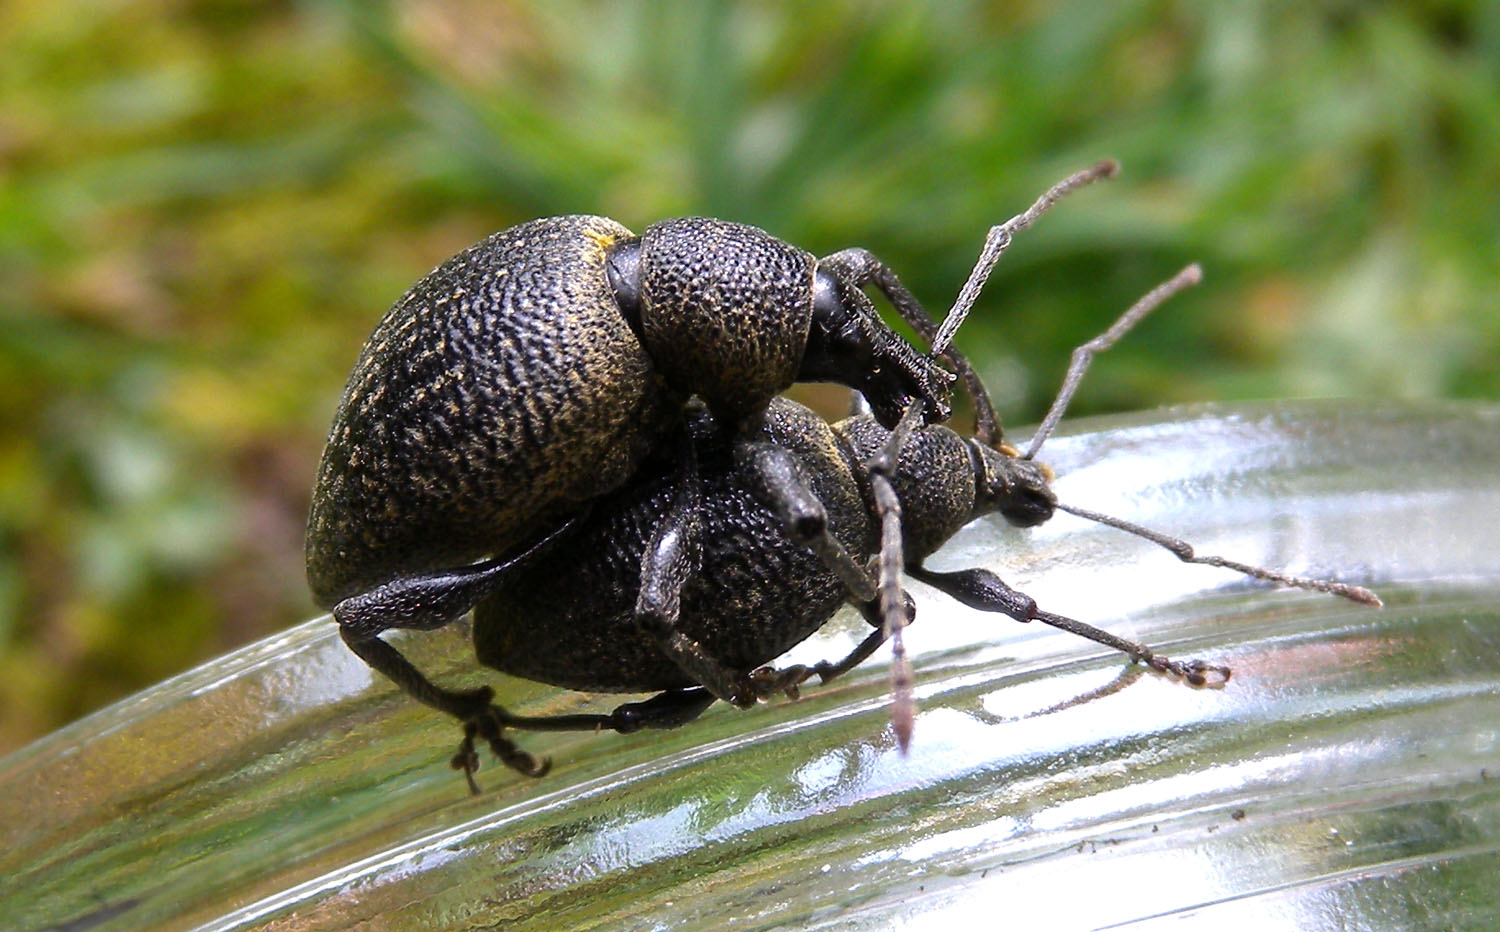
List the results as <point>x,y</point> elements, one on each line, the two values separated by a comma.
<point>706,566</point>
<point>536,371</point>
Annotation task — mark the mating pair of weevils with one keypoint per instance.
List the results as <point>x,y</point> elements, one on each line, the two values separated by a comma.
<point>577,433</point>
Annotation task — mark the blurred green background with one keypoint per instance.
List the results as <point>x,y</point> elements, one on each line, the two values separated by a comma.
<point>205,206</point>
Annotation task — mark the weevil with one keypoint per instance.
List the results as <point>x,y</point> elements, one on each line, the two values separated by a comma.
<point>700,571</point>
<point>539,368</point>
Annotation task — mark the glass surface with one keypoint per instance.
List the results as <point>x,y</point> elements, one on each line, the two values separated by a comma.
<point>1347,777</point>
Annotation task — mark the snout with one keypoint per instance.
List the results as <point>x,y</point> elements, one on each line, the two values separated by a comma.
<point>1019,489</point>
<point>1030,507</point>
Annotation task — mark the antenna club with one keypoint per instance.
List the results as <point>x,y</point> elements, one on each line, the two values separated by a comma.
<point>1193,274</point>
<point>1106,168</point>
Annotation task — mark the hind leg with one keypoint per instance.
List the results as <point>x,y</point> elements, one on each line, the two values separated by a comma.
<point>671,709</point>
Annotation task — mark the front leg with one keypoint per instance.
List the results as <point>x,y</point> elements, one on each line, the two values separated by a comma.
<point>981,589</point>
<point>784,489</point>
<point>862,268</point>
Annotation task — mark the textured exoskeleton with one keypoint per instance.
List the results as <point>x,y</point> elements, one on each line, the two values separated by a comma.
<point>629,539</point>
<point>650,595</point>
<point>755,587</point>
<point>536,371</point>
<point>694,602</point>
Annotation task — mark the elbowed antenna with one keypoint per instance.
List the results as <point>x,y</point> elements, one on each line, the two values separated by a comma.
<point>862,268</point>
<point>1184,552</point>
<point>1084,355</point>
<point>998,239</point>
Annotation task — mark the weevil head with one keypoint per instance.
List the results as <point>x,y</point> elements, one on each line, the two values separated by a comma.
<point>847,342</point>
<point>1020,489</point>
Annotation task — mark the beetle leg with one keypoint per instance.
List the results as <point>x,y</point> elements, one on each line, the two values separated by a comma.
<point>672,557</point>
<point>862,268</point>
<point>771,680</point>
<point>784,489</point>
<point>385,659</point>
<point>806,521</point>
<point>981,589</point>
<point>894,607</point>
<point>431,600</point>
<point>481,718</point>
<point>671,709</point>
<point>485,721</point>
